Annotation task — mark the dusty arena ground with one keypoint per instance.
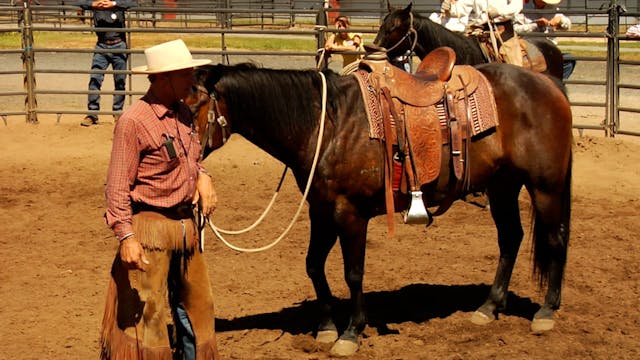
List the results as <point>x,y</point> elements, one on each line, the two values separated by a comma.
<point>420,286</point>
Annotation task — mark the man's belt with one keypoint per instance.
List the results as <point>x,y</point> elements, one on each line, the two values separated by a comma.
<point>180,211</point>
<point>112,42</point>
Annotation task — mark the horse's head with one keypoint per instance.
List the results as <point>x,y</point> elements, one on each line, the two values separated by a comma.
<point>395,33</point>
<point>211,125</point>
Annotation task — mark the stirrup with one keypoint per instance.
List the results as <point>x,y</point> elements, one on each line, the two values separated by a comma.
<point>417,213</point>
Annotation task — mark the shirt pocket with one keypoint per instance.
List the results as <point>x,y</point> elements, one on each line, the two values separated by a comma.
<point>168,160</point>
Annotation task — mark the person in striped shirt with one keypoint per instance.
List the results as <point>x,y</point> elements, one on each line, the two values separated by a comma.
<point>159,301</point>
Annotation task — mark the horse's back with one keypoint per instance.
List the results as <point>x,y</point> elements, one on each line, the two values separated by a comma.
<point>534,114</point>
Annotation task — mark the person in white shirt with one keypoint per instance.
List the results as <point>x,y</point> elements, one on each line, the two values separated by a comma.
<point>454,15</point>
<point>500,14</point>
<point>546,23</point>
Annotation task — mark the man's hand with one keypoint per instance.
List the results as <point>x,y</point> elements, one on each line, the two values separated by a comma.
<point>132,254</point>
<point>205,195</point>
<point>103,4</point>
<point>542,23</point>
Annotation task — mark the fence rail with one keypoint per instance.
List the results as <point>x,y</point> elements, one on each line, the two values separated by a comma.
<point>223,21</point>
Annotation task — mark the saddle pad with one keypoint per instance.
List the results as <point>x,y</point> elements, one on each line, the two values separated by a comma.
<point>371,104</point>
<point>482,108</point>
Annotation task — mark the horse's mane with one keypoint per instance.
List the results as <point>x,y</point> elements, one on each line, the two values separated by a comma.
<point>432,35</point>
<point>440,35</point>
<point>289,99</point>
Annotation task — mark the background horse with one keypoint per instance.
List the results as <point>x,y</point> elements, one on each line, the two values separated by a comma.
<point>395,34</point>
<point>279,111</point>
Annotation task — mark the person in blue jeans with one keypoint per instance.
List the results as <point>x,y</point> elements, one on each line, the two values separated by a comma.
<point>107,14</point>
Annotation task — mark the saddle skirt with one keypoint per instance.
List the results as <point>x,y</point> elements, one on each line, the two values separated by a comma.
<point>421,102</point>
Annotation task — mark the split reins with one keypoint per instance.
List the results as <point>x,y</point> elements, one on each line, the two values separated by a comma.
<point>219,231</point>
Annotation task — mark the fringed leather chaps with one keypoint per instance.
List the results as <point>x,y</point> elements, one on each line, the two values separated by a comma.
<point>138,321</point>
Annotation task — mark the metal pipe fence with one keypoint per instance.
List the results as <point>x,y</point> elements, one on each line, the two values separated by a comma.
<point>221,22</point>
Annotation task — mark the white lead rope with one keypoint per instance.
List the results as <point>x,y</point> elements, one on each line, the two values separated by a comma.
<point>218,231</point>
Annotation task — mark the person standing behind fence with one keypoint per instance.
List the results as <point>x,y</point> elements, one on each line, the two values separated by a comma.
<point>344,41</point>
<point>107,14</point>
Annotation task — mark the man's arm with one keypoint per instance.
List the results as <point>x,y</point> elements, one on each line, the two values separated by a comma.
<point>125,4</point>
<point>560,22</point>
<point>121,174</point>
<point>106,4</point>
<point>85,4</point>
<point>205,196</point>
<point>522,24</point>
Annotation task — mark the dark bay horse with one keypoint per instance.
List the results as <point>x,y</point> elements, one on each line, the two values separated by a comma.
<point>279,111</point>
<point>396,34</point>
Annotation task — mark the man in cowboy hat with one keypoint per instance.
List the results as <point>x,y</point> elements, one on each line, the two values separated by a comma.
<point>159,301</point>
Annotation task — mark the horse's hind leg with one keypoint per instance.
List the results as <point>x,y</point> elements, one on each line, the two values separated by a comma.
<point>506,215</point>
<point>551,239</point>
<point>323,238</point>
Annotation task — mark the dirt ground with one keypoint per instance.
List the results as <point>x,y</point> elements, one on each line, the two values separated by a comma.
<point>420,286</point>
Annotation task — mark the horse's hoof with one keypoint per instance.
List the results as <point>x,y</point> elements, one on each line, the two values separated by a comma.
<point>327,336</point>
<point>344,348</point>
<point>539,326</point>
<point>480,318</point>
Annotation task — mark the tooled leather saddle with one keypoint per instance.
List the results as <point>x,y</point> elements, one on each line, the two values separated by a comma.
<point>424,118</point>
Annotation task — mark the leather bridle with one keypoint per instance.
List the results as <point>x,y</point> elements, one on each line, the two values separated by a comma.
<point>406,36</point>
<point>214,116</point>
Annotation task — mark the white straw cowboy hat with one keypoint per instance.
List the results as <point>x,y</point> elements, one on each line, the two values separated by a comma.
<point>551,2</point>
<point>169,56</point>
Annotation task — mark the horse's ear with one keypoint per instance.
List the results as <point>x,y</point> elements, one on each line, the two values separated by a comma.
<point>389,6</point>
<point>408,8</point>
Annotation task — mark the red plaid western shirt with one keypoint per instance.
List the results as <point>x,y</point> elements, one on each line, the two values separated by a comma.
<point>142,168</point>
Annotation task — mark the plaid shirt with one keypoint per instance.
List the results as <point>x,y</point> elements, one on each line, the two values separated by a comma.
<point>142,168</point>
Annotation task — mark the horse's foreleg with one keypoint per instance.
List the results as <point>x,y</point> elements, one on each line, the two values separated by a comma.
<point>323,238</point>
<point>506,215</point>
<point>353,237</point>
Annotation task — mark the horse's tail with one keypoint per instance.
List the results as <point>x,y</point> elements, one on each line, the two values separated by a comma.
<point>551,241</point>
<point>561,85</point>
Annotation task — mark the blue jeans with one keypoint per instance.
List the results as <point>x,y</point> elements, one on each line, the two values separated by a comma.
<point>568,65</point>
<point>101,61</point>
<point>186,337</point>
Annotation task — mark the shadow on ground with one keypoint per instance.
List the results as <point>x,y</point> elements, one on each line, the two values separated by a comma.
<point>415,303</point>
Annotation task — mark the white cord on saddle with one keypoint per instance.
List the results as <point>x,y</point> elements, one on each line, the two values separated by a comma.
<point>219,231</point>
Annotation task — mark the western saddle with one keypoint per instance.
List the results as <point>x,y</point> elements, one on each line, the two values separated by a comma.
<point>422,115</point>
